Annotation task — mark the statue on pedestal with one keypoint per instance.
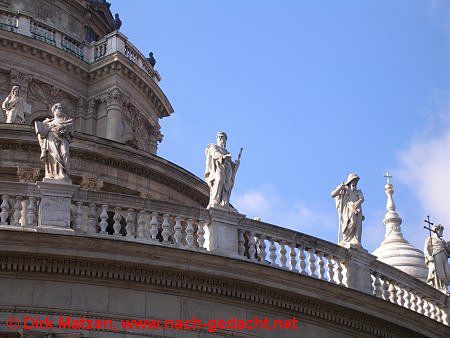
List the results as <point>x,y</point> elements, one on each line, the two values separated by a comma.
<point>15,107</point>
<point>437,252</point>
<point>348,204</point>
<point>54,135</point>
<point>220,172</point>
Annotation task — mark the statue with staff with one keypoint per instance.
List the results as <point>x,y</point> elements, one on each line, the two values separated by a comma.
<point>220,172</point>
<point>437,251</point>
<point>54,135</point>
<point>348,204</point>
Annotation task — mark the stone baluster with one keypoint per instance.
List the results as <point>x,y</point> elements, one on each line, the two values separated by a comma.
<point>273,252</point>
<point>321,264</point>
<point>241,242</point>
<point>438,313</point>
<point>201,233</point>
<point>4,210</point>
<point>283,257</point>
<point>178,236</point>
<point>413,301</point>
<point>432,310</point>
<point>117,217</point>
<point>293,256</point>
<point>154,226</point>
<point>419,304</point>
<point>17,211</point>
<point>302,259</point>
<point>140,230</point>
<point>330,269</point>
<point>262,253</point>
<point>251,245</point>
<point>130,224</point>
<point>339,269</point>
<point>377,291</point>
<point>400,293</point>
<point>92,219</point>
<point>104,219</point>
<point>165,228</point>
<point>31,212</point>
<point>406,297</point>
<point>426,307</point>
<point>312,263</point>
<point>190,233</point>
<point>78,222</point>
<point>392,293</point>
<point>385,289</point>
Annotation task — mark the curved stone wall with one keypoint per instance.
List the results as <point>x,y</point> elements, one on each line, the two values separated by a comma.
<point>56,275</point>
<point>120,168</point>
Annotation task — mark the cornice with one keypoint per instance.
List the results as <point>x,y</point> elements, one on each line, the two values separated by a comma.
<point>85,72</point>
<point>20,137</point>
<point>204,275</point>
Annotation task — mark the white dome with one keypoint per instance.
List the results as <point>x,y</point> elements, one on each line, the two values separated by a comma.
<point>403,256</point>
<point>395,250</point>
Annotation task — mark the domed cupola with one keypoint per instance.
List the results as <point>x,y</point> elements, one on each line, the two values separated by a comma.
<point>395,250</point>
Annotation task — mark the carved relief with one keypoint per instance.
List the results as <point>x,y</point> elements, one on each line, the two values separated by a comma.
<point>42,96</point>
<point>136,129</point>
<point>28,175</point>
<point>91,183</point>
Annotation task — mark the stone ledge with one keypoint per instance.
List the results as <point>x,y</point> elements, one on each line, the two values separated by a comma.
<point>132,265</point>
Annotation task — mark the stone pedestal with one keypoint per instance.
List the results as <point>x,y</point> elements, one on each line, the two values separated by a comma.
<point>358,272</point>
<point>54,208</point>
<point>223,231</point>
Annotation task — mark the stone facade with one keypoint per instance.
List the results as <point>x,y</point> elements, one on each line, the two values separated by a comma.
<point>131,237</point>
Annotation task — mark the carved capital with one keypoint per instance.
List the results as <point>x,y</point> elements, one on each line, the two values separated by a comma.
<point>28,175</point>
<point>91,183</point>
<point>114,98</point>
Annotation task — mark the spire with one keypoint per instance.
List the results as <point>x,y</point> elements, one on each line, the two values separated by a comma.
<point>391,220</point>
<point>395,249</point>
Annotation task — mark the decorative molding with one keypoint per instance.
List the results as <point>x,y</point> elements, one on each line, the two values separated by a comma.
<point>137,169</point>
<point>28,175</point>
<point>91,183</point>
<point>190,282</point>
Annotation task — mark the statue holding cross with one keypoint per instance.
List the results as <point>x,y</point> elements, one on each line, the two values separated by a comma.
<point>437,252</point>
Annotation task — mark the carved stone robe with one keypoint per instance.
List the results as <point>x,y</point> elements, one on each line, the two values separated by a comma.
<point>436,258</point>
<point>348,205</point>
<point>54,137</point>
<point>219,174</point>
<point>15,108</point>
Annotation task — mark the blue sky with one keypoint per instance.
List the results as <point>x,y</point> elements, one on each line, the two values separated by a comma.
<point>312,90</point>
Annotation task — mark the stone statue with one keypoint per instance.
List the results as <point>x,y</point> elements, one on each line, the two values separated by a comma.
<point>151,59</point>
<point>54,135</point>
<point>220,172</point>
<point>117,23</point>
<point>348,204</point>
<point>437,252</point>
<point>15,107</point>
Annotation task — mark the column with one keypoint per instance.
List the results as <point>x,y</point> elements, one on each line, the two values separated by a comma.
<point>114,115</point>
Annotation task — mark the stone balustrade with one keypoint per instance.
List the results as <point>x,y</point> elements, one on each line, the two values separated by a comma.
<point>138,219</point>
<point>131,218</point>
<point>289,250</point>
<point>19,205</point>
<point>400,288</point>
<point>21,23</point>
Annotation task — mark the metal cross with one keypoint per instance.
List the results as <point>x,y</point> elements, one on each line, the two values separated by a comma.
<point>387,177</point>
<point>429,225</point>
